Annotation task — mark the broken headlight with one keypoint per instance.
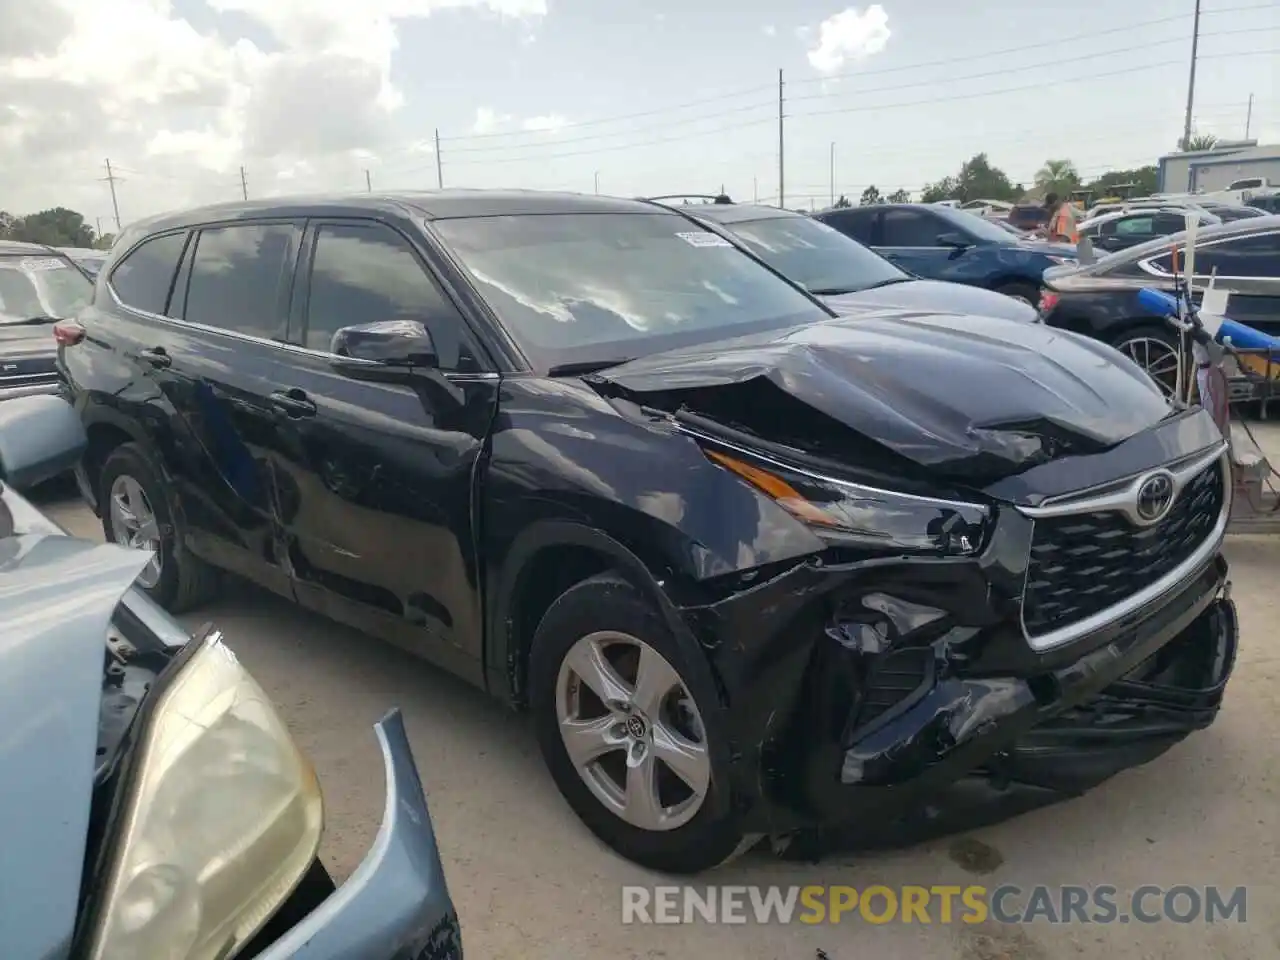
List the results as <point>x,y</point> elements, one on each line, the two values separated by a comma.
<point>222,819</point>
<point>845,512</point>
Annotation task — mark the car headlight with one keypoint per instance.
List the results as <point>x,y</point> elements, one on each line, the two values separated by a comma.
<point>221,819</point>
<point>851,513</point>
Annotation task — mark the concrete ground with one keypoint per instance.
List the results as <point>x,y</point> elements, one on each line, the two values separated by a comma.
<point>530,882</point>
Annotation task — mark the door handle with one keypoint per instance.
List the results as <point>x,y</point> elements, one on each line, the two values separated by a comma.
<point>157,357</point>
<point>293,403</point>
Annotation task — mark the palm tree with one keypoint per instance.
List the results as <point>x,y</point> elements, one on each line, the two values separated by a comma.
<point>1057,176</point>
<point>1199,141</point>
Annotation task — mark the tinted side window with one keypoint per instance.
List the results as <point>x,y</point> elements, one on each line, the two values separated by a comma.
<point>1140,225</point>
<point>1255,256</point>
<point>909,228</point>
<point>853,223</point>
<point>237,277</point>
<point>143,278</point>
<point>367,273</point>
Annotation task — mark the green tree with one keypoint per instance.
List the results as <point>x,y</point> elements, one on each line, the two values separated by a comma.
<point>869,196</point>
<point>977,180</point>
<point>899,196</point>
<point>944,189</point>
<point>843,202</point>
<point>1057,176</point>
<point>1199,141</point>
<point>105,241</point>
<point>58,227</point>
<point>1145,180</point>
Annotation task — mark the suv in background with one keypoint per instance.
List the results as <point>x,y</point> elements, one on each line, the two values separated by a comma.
<point>1128,228</point>
<point>753,568</point>
<point>38,286</point>
<point>1028,216</point>
<point>941,243</point>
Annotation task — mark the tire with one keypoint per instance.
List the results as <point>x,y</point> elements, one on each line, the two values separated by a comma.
<point>696,837</point>
<point>1140,342</point>
<point>1026,292</point>
<point>183,581</point>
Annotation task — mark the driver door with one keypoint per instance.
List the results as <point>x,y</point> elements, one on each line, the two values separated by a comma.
<point>376,479</point>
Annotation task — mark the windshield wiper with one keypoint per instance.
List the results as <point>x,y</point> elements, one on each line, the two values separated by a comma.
<point>837,291</point>
<point>29,321</point>
<point>580,367</point>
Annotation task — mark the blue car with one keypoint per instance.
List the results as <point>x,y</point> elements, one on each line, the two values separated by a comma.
<point>941,243</point>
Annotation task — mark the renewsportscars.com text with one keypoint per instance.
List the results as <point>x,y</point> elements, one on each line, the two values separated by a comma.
<point>933,904</point>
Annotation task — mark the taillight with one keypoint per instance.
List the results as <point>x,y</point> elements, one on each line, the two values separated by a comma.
<point>67,333</point>
<point>1048,300</point>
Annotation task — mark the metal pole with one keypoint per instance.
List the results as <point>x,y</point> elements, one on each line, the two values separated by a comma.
<point>755,189</point>
<point>782,179</point>
<point>439,166</point>
<point>833,173</point>
<point>1248,118</point>
<point>244,185</point>
<point>1191,81</point>
<point>368,181</point>
<point>111,179</point>
<point>597,181</point>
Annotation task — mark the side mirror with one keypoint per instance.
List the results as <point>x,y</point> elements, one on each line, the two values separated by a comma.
<point>958,242</point>
<point>389,350</point>
<point>40,438</point>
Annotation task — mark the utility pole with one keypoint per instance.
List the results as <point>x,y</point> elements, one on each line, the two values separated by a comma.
<point>597,181</point>
<point>833,173</point>
<point>1191,82</point>
<point>439,166</point>
<point>99,222</point>
<point>368,181</point>
<point>1248,118</point>
<point>755,189</point>
<point>111,179</point>
<point>244,185</point>
<point>782,178</point>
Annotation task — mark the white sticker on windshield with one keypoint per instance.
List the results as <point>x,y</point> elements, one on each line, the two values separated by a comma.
<point>704,238</point>
<point>42,263</point>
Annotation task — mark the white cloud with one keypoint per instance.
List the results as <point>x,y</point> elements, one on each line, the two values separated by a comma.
<point>849,35</point>
<point>179,110</point>
<point>488,120</point>
<point>769,30</point>
<point>550,121</point>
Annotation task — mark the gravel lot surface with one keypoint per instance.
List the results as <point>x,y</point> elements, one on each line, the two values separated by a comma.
<point>531,882</point>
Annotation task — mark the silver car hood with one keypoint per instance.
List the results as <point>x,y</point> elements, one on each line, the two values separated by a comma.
<point>57,597</point>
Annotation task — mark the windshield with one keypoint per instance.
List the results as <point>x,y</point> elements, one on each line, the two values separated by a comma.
<point>607,287</point>
<point>976,226</point>
<point>816,256</point>
<point>40,287</point>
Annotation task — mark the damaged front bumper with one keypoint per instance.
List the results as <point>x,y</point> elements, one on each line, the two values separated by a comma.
<point>963,727</point>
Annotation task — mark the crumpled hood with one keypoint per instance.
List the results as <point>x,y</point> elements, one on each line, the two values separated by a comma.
<point>932,295</point>
<point>974,399</point>
<point>57,597</point>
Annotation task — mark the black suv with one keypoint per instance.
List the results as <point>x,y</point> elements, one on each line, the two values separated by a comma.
<point>753,568</point>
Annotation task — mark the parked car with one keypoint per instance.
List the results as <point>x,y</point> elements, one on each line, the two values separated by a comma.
<point>38,286</point>
<point>1101,299</point>
<point>1128,228</point>
<point>1029,216</point>
<point>155,805</point>
<point>753,568</point>
<point>1268,203</point>
<point>939,243</point>
<point>848,276</point>
<point>88,259</point>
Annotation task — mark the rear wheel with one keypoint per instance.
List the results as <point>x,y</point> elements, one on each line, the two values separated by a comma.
<point>1022,292</point>
<point>137,513</point>
<point>628,726</point>
<point>1155,349</point>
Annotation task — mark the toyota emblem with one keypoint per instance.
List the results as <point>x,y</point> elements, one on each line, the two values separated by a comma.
<point>1155,497</point>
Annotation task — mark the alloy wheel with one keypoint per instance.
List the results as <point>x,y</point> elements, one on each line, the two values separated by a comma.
<point>134,524</point>
<point>1158,358</point>
<point>632,731</point>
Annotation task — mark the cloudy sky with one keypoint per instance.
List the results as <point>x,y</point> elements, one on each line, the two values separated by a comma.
<point>651,96</point>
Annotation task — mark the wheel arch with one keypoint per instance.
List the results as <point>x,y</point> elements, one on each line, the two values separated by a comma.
<point>547,558</point>
<point>107,430</point>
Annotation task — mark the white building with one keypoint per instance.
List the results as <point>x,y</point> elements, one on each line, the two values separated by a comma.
<point>1216,169</point>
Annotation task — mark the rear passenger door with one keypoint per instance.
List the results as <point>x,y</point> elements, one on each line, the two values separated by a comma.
<point>909,238</point>
<point>377,478</point>
<point>220,357</point>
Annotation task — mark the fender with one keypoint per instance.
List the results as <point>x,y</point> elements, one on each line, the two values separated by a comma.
<point>97,414</point>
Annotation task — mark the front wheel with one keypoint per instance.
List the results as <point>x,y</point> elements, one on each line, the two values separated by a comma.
<point>1022,292</point>
<point>629,726</point>
<point>1155,350</point>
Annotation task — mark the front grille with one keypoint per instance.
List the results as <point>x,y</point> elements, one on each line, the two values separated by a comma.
<point>1084,563</point>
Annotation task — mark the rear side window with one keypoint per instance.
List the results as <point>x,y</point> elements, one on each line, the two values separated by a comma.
<point>853,223</point>
<point>1255,256</point>
<point>238,275</point>
<point>142,280</point>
